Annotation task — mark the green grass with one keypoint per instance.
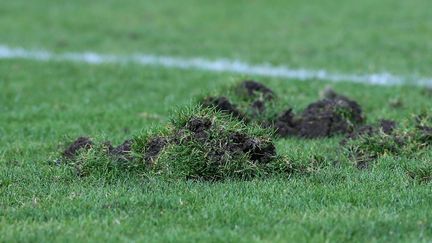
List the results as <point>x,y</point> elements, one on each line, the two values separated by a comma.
<point>44,105</point>
<point>355,36</point>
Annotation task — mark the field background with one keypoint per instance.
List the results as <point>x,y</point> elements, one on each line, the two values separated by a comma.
<point>44,104</point>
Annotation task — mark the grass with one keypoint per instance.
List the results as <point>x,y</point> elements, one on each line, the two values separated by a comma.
<point>44,105</point>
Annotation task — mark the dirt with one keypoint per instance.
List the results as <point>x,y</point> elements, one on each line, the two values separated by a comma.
<point>258,151</point>
<point>123,151</point>
<point>425,134</point>
<point>221,149</point>
<point>223,104</point>
<point>153,149</point>
<point>386,126</point>
<point>253,88</point>
<point>199,127</point>
<point>258,107</point>
<point>81,143</point>
<point>335,114</point>
<point>286,125</point>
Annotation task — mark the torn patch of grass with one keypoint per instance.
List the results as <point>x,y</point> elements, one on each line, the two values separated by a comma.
<point>206,144</point>
<point>198,143</point>
<point>408,141</point>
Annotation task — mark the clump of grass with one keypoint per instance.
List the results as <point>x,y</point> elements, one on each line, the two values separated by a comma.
<point>206,144</point>
<point>198,143</point>
<point>420,171</point>
<point>404,141</point>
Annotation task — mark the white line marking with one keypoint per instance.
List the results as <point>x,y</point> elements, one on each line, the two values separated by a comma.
<point>218,65</point>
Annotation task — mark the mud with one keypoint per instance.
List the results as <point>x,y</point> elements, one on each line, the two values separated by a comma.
<point>223,104</point>
<point>81,143</point>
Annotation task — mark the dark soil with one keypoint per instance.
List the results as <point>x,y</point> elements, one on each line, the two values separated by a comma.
<point>153,149</point>
<point>123,151</point>
<point>386,126</point>
<point>258,151</point>
<point>81,143</point>
<point>252,88</point>
<point>258,107</point>
<point>223,104</point>
<point>235,144</point>
<point>425,134</point>
<point>199,127</point>
<point>221,149</point>
<point>286,125</point>
<point>333,115</point>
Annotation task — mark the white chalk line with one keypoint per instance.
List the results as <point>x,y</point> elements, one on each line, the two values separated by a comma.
<point>217,65</point>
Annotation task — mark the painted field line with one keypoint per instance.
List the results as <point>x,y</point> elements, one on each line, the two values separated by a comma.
<point>217,65</point>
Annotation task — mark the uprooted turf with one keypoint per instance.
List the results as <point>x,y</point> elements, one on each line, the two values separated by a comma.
<point>217,139</point>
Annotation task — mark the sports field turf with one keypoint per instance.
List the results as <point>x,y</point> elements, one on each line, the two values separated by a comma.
<point>45,104</point>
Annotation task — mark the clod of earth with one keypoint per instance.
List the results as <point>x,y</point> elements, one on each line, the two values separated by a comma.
<point>252,88</point>
<point>123,151</point>
<point>235,143</point>
<point>386,126</point>
<point>210,146</point>
<point>153,148</point>
<point>286,125</point>
<point>223,104</point>
<point>258,151</point>
<point>81,143</point>
<point>258,107</point>
<point>335,114</point>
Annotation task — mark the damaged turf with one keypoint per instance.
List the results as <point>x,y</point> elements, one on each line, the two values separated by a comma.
<point>232,137</point>
<point>335,114</point>
<point>369,143</point>
<point>81,143</point>
<point>201,144</point>
<point>207,145</point>
<point>223,104</point>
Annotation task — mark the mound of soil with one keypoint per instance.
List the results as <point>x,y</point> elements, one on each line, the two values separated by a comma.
<point>223,104</point>
<point>252,88</point>
<point>81,143</point>
<point>386,126</point>
<point>335,114</point>
<point>153,149</point>
<point>258,150</point>
<point>220,150</point>
<point>286,125</point>
<point>234,144</point>
<point>121,152</point>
